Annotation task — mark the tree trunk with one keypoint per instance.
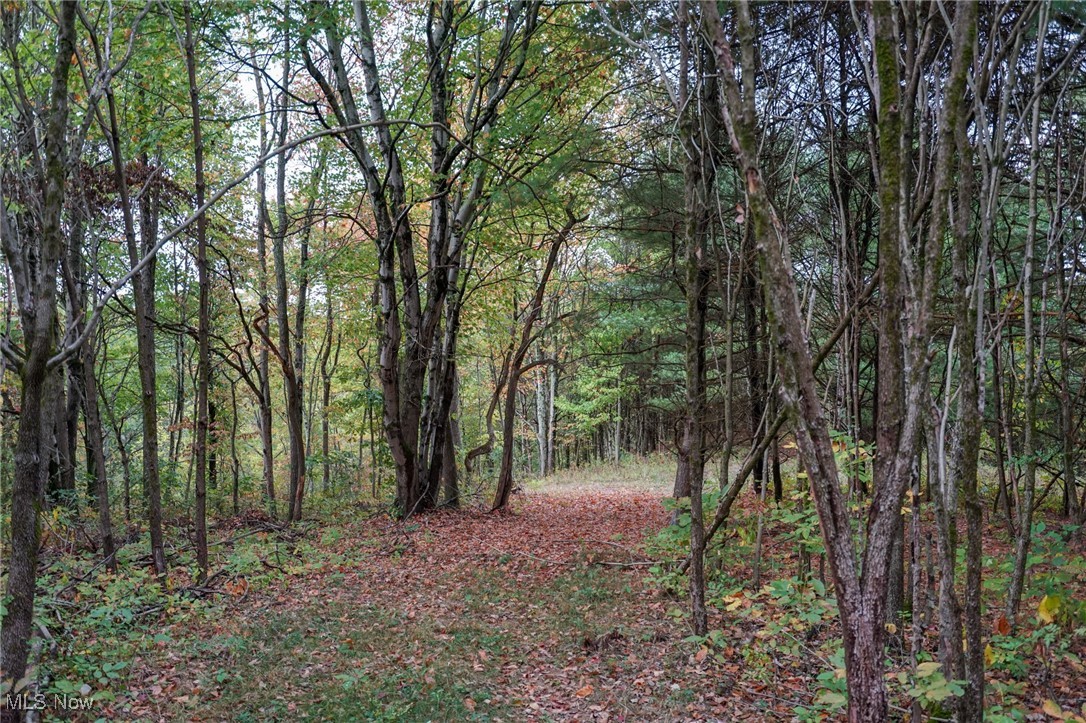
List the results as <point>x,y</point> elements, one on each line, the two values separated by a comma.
<point>698,128</point>
<point>31,458</point>
<point>1002,427</point>
<point>552,389</point>
<point>264,402</point>
<point>505,473</point>
<point>326,393</point>
<point>861,597</point>
<point>750,294</point>
<point>37,310</point>
<point>1068,429</point>
<point>235,463</point>
<point>62,482</point>
<point>291,381</point>
<point>203,354</point>
<point>1024,532</point>
<point>84,389</point>
<point>96,452</point>
<point>126,462</point>
<point>415,424</point>
<point>449,475</point>
<point>143,289</point>
<point>971,349</point>
<point>516,364</point>
<point>541,420</point>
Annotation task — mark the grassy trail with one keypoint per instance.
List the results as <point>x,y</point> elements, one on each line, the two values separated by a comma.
<point>542,614</point>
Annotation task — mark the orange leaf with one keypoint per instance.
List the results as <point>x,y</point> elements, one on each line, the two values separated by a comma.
<point>701,654</point>
<point>1003,626</point>
<point>469,704</point>
<point>584,692</point>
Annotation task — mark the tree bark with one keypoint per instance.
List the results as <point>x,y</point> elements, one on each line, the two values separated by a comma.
<point>450,476</point>
<point>36,292</point>
<point>1024,532</point>
<point>326,391</point>
<point>264,411</point>
<point>291,381</point>
<point>96,452</point>
<point>203,354</point>
<point>85,388</point>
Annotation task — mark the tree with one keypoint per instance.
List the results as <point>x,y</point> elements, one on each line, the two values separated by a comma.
<point>861,597</point>
<point>515,367</point>
<point>416,424</point>
<point>33,242</point>
<point>203,360</point>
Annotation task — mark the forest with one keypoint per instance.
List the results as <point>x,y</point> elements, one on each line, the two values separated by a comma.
<point>543,360</point>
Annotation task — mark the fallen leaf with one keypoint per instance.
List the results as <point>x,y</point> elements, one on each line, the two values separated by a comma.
<point>1052,707</point>
<point>585,691</point>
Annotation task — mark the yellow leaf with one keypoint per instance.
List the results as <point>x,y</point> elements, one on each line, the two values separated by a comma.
<point>1048,608</point>
<point>989,656</point>
<point>891,628</point>
<point>1052,707</point>
<point>923,670</point>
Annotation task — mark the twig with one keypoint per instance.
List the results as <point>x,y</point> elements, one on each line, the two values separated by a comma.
<point>498,552</point>
<point>88,573</point>
<point>270,565</point>
<point>622,547</point>
<point>47,635</point>
<point>793,703</point>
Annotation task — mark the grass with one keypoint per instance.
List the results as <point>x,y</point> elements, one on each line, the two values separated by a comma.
<point>355,685</point>
<point>337,658</point>
<point>655,473</point>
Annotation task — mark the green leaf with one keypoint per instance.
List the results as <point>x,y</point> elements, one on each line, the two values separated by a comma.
<point>831,698</point>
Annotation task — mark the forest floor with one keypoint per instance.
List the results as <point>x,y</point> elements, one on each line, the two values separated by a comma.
<point>563,609</point>
<point>543,613</point>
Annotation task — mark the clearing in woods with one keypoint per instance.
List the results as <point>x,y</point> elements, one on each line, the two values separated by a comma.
<point>541,614</point>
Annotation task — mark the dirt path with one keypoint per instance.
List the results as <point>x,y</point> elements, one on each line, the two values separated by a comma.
<point>543,614</point>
